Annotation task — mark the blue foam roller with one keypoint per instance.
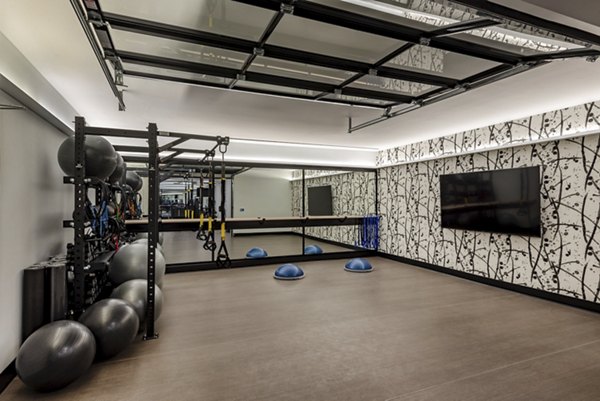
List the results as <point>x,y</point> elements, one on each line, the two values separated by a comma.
<point>312,250</point>
<point>358,265</point>
<point>256,253</point>
<point>288,272</point>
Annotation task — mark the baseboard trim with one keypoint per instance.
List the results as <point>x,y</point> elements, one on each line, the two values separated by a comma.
<point>562,299</point>
<point>331,242</point>
<point>270,260</point>
<point>7,376</point>
<point>245,234</point>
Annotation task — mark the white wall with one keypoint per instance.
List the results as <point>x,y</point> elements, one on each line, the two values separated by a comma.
<point>33,203</point>
<point>262,193</point>
<point>18,70</point>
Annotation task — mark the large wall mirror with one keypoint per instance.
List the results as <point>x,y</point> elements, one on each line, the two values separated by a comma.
<point>269,194</point>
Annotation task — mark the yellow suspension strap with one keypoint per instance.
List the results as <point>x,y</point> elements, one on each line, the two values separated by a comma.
<point>223,259</point>
<point>201,235</point>
<point>210,244</point>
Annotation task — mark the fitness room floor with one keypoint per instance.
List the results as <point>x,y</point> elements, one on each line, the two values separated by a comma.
<point>398,333</point>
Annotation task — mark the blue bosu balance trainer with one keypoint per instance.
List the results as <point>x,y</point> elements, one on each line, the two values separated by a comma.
<point>288,272</point>
<point>312,250</point>
<point>256,253</point>
<point>359,265</point>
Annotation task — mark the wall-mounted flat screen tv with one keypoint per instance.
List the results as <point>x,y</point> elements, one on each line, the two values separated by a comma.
<point>319,201</point>
<point>500,201</point>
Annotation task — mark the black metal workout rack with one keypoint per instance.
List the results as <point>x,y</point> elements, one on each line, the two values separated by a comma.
<point>82,261</point>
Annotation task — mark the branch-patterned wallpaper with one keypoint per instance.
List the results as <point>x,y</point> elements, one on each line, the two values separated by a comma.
<point>566,260</point>
<point>546,126</point>
<point>353,193</point>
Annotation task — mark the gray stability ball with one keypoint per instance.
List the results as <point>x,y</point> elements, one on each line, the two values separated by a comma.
<point>134,292</point>
<point>114,323</point>
<point>55,355</point>
<point>100,157</point>
<point>134,180</point>
<point>117,175</point>
<point>144,241</point>
<point>161,237</point>
<point>131,262</point>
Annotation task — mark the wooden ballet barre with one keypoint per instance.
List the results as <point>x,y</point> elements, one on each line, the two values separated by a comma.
<point>240,223</point>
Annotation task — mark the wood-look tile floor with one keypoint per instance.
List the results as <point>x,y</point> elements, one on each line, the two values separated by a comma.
<point>398,333</point>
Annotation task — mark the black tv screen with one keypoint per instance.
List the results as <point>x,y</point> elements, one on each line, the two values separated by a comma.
<point>319,201</point>
<point>501,201</point>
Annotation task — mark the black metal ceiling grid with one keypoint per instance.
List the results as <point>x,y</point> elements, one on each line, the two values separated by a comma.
<point>439,38</point>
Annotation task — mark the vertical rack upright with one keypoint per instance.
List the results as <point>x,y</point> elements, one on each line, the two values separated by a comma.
<point>153,226</point>
<point>80,192</point>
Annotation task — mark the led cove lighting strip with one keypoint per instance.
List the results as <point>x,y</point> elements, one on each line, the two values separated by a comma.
<point>511,37</point>
<point>300,145</point>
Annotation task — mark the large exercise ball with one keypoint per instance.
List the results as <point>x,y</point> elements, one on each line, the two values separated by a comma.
<point>145,235</point>
<point>134,292</point>
<point>100,157</point>
<point>117,175</point>
<point>55,355</point>
<point>144,241</point>
<point>114,323</point>
<point>131,262</point>
<point>134,180</point>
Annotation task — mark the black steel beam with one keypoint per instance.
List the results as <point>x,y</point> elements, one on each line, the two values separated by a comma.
<point>378,64</point>
<point>515,15</point>
<point>116,132</point>
<point>79,12</point>
<point>414,76</point>
<point>386,96</point>
<point>486,74</point>
<point>189,150</point>
<point>289,82</point>
<point>174,143</point>
<point>128,148</point>
<point>250,76</point>
<point>259,48</point>
<point>170,157</point>
<point>570,53</point>
<point>271,51</point>
<point>173,32</point>
<point>248,90</point>
<point>475,81</point>
<point>463,26</point>
<point>178,65</point>
<point>389,57</point>
<point>359,22</point>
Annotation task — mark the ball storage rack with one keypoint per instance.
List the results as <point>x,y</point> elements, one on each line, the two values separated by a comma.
<point>84,262</point>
